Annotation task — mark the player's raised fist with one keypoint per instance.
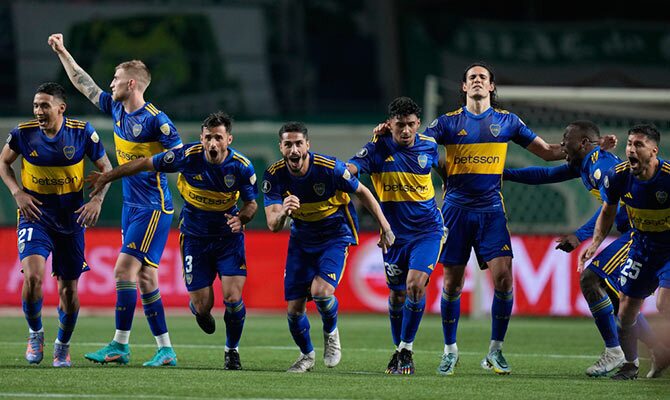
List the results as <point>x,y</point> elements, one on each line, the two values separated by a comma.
<point>56,42</point>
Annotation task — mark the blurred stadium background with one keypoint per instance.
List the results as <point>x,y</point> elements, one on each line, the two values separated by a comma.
<point>336,65</point>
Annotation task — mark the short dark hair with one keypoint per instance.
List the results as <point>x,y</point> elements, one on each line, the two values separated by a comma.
<point>402,107</point>
<point>217,119</point>
<point>293,126</point>
<point>647,130</point>
<point>53,89</point>
<point>588,128</point>
<point>492,79</point>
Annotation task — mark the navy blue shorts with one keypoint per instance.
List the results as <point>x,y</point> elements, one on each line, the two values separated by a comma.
<point>145,232</point>
<point>644,271</point>
<point>205,258</point>
<point>608,263</point>
<point>420,255</point>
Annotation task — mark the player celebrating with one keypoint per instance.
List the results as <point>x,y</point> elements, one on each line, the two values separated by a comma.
<point>52,213</point>
<point>140,130</point>
<point>400,166</point>
<point>314,190</point>
<point>642,183</point>
<point>599,282</point>
<point>212,176</point>
<point>475,138</point>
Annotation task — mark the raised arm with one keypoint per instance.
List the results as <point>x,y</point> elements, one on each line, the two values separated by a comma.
<point>98,181</point>
<point>28,205</point>
<point>386,237</point>
<point>79,78</point>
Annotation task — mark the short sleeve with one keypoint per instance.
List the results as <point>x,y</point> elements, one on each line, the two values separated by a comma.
<point>438,129</point>
<point>169,137</point>
<point>93,147</point>
<point>14,140</point>
<point>523,135</point>
<point>343,179</point>
<point>610,189</point>
<point>364,159</point>
<point>248,188</point>
<point>271,190</point>
<point>106,102</point>
<point>170,161</point>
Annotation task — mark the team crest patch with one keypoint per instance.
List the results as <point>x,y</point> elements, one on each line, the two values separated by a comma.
<point>597,173</point>
<point>252,179</point>
<point>169,157</point>
<point>94,137</point>
<point>137,129</point>
<point>69,152</point>
<point>661,196</point>
<point>346,174</point>
<point>319,188</point>
<point>165,129</point>
<point>606,181</point>
<point>495,129</point>
<point>433,124</point>
<point>22,247</point>
<point>423,160</point>
<point>229,180</point>
<point>362,153</point>
<point>266,186</point>
<point>189,278</point>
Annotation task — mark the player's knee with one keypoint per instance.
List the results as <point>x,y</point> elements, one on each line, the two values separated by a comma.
<point>589,282</point>
<point>32,281</point>
<point>415,289</point>
<point>67,293</point>
<point>397,296</point>
<point>503,282</point>
<point>232,297</point>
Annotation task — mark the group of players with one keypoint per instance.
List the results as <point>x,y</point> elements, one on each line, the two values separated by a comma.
<point>314,191</point>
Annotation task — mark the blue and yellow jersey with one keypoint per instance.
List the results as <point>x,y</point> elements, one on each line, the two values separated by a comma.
<point>209,190</point>
<point>401,177</point>
<point>647,202</point>
<point>326,211</point>
<point>143,133</point>
<point>52,169</point>
<point>476,148</point>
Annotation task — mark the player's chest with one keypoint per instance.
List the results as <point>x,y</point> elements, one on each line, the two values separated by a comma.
<point>62,151</point>
<point>417,162</point>
<point>313,189</point>
<point>213,178</point>
<point>135,128</point>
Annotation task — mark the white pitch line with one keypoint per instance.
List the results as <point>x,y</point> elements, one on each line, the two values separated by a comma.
<point>135,396</point>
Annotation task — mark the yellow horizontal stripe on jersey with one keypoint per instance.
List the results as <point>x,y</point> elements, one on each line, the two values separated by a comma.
<point>127,151</point>
<point>476,158</point>
<point>403,186</point>
<point>596,194</point>
<point>319,210</point>
<point>206,200</point>
<point>52,180</point>
<point>646,220</point>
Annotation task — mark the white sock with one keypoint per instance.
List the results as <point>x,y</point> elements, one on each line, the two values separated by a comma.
<point>615,349</point>
<point>311,354</point>
<point>163,340</point>
<point>495,345</point>
<point>226,349</point>
<point>450,348</point>
<point>405,345</point>
<point>636,362</point>
<point>121,337</point>
<point>40,331</point>
<point>59,342</point>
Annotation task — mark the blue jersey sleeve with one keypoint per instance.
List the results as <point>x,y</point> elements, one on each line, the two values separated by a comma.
<point>438,130</point>
<point>344,181</point>
<point>93,146</point>
<point>364,159</point>
<point>271,190</point>
<point>610,190</point>
<point>540,175</point>
<point>248,189</point>
<point>14,140</point>
<point>170,161</point>
<point>586,231</point>
<point>523,135</point>
<point>169,137</point>
<point>106,102</point>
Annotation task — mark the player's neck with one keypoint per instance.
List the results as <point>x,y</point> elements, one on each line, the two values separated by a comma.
<point>305,167</point>
<point>478,106</point>
<point>650,170</point>
<point>133,103</point>
<point>51,132</point>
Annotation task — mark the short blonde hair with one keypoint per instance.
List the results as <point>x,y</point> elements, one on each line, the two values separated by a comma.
<point>138,71</point>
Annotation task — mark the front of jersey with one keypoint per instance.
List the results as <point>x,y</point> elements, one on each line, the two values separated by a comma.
<point>326,211</point>
<point>142,133</point>
<point>647,203</point>
<point>476,149</point>
<point>401,176</point>
<point>52,169</point>
<point>209,190</point>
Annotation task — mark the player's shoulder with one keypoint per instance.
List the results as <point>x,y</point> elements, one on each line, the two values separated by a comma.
<point>426,140</point>
<point>453,113</point>
<point>152,110</point>
<point>76,126</point>
<point>502,111</point>
<point>191,149</point>
<point>275,167</point>
<point>665,167</point>
<point>240,158</point>
<point>27,126</point>
<point>621,168</point>
<point>324,161</point>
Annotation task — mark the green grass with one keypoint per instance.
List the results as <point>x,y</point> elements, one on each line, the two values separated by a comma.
<point>548,358</point>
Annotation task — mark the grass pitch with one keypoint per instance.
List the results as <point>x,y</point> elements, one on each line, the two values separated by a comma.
<point>548,359</point>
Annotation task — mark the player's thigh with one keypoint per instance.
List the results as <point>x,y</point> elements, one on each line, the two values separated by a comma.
<point>501,273</point>
<point>331,264</point>
<point>608,263</point>
<point>231,287</point>
<point>638,277</point>
<point>198,267</point>
<point>461,233</point>
<point>395,266</point>
<point>231,265</point>
<point>299,271</point>
<point>493,239</point>
<point>34,243</point>
<point>424,253</point>
<point>68,261</point>
<point>629,308</point>
<point>145,232</point>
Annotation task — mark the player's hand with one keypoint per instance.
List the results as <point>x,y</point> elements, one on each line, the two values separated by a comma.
<point>291,203</point>
<point>96,180</point>
<point>386,240</point>
<point>608,142</point>
<point>89,213</point>
<point>234,223</point>
<point>28,206</point>
<point>567,243</point>
<point>586,255</point>
<point>56,42</point>
<point>382,129</point>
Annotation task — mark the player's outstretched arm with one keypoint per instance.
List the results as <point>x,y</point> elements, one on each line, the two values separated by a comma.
<point>90,212</point>
<point>546,151</point>
<point>276,214</point>
<point>387,237</point>
<point>247,212</point>
<point>28,205</point>
<point>98,180</point>
<point>79,78</point>
<point>603,226</point>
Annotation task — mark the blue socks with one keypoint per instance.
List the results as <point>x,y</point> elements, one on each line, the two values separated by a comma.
<point>450,307</point>
<point>126,298</point>
<point>33,314</point>
<point>155,313</point>
<point>234,318</point>
<point>396,316</point>
<point>603,314</point>
<point>66,325</point>
<point>411,318</point>
<point>501,310</point>
<point>327,306</point>
<point>298,325</point>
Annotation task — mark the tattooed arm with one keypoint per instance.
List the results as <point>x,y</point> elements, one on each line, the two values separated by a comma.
<point>79,78</point>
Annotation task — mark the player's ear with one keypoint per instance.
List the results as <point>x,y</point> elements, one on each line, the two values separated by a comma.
<point>62,107</point>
